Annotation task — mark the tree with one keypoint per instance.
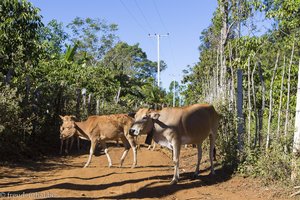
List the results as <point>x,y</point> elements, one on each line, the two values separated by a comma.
<point>285,13</point>
<point>94,37</point>
<point>131,60</point>
<point>131,69</point>
<point>54,37</point>
<point>20,49</point>
<point>171,99</point>
<point>233,52</point>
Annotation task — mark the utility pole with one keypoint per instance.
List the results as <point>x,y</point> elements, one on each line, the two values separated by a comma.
<point>158,36</point>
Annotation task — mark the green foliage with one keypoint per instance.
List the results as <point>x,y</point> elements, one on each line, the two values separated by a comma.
<point>9,108</point>
<point>19,46</point>
<point>153,95</point>
<point>131,60</point>
<point>227,136</point>
<point>70,52</point>
<point>13,128</point>
<point>275,163</point>
<point>53,37</point>
<point>271,166</point>
<point>286,13</point>
<point>170,94</point>
<point>94,38</point>
<point>45,70</point>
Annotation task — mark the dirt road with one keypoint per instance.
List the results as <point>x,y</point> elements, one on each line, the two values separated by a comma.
<point>64,178</point>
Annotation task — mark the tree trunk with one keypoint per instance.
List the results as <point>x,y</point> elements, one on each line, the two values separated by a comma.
<point>89,103</point>
<point>254,106</point>
<point>223,40</point>
<point>271,102</point>
<point>218,74</point>
<point>84,102</point>
<point>280,99</point>
<point>249,104</point>
<point>97,106</point>
<point>261,111</point>
<point>117,98</point>
<point>78,93</point>
<point>288,100</point>
<point>296,144</point>
<point>232,91</point>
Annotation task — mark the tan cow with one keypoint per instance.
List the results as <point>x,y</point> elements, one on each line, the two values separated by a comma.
<point>99,129</point>
<point>173,127</point>
<point>65,119</point>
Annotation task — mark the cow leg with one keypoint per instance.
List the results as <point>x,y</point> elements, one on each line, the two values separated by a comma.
<point>61,146</point>
<point>154,145</point>
<point>92,149</point>
<point>78,143</point>
<point>199,148</point>
<point>211,152</point>
<point>215,152</point>
<point>176,153</point>
<point>127,147</point>
<point>71,145</point>
<point>134,150</point>
<point>67,145</point>
<point>103,145</point>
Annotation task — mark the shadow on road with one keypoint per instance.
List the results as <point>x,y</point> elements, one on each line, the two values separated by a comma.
<point>160,191</point>
<point>158,187</point>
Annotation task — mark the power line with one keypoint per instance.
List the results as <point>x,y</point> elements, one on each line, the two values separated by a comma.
<point>142,13</point>
<point>165,27</point>
<point>134,18</point>
<point>159,16</point>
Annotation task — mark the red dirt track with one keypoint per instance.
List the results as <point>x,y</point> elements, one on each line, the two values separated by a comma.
<point>64,178</point>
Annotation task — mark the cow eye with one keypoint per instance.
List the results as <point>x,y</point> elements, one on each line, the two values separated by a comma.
<point>145,117</point>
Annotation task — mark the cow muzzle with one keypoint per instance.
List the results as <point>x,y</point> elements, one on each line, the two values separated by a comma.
<point>133,132</point>
<point>63,137</point>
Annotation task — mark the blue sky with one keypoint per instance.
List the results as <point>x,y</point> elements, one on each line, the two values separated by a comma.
<point>184,20</point>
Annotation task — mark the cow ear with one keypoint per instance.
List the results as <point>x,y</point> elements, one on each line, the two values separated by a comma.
<point>61,117</point>
<point>131,114</point>
<point>154,115</point>
<point>73,117</point>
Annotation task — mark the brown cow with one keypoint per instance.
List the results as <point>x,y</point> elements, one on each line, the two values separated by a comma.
<point>100,129</point>
<point>67,146</point>
<point>173,127</point>
<point>66,141</point>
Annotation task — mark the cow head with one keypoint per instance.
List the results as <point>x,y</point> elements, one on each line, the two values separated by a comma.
<point>144,122</point>
<point>67,129</point>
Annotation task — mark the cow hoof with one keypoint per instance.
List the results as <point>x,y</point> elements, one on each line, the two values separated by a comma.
<point>173,182</point>
<point>133,166</point>
<point>85,166</point>
<point>109,166</point>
